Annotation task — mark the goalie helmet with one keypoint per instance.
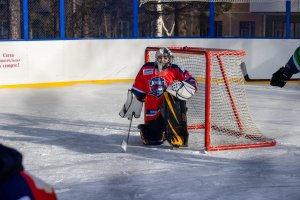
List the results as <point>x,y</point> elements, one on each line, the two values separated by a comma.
<point>162,54</point>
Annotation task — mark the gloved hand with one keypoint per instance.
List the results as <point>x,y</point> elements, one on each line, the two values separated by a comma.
<point>280,77</point>
<point>132,107</point>
<point>181,90</point>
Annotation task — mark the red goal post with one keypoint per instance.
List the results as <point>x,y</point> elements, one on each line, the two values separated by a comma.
<point>220,106</point>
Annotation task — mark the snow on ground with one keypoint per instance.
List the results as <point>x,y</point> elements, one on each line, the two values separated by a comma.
<point>70,137</point>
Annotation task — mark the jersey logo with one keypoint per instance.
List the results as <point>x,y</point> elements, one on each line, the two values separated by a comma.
<point>147,71</point>
<point>157,86</point>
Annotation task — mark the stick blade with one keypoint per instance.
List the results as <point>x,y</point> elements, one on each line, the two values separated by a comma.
<point>124,145</point>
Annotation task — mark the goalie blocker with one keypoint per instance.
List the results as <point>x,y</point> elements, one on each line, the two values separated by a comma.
<point>132,107</point>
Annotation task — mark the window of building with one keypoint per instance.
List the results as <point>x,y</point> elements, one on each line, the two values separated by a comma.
<point>275,26</point>
<point>279,29</point>
<point>295,30</point>
<point>218,28</point>
<point>295,25</point>
<point>247,29</point>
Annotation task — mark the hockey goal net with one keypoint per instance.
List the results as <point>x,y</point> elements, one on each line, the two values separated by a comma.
<point>220,106</point>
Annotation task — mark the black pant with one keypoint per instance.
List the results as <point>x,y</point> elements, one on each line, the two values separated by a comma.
<point>153,132</point>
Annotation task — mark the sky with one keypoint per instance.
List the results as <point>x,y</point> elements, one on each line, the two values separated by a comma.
<point>70,137</point>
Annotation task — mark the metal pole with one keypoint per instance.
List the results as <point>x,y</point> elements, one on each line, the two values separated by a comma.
<point>288,18</point>
<point>25,19</point>
<point>135,18</point>
<point>211,19</point>
<point>62,19</point>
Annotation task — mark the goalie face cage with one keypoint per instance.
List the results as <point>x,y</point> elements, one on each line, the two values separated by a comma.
<point>219,106</point>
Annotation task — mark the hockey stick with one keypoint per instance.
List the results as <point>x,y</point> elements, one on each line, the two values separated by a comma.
<point>248,79</point>
<point>125,143</point>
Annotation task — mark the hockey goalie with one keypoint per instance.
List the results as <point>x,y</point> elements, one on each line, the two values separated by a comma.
<point>164,87</point>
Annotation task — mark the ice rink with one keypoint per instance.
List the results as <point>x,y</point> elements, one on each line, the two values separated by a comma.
<point>70,137</point>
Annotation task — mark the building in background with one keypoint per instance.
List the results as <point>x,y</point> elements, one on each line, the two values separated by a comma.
<point>258,20</point>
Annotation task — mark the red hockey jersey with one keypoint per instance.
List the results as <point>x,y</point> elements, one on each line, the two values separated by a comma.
<point>150,85</point>
<point>15,183</point>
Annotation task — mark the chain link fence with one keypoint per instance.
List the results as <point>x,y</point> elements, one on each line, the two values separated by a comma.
<point>68,19</point>
<point>99,19</point>
<point>43,19</point>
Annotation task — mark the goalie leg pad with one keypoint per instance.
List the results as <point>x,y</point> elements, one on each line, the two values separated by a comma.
<point>153,132</point>
<point>175,119</point>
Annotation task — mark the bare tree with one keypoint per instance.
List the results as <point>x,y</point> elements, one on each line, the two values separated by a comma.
<point>178,18</point>
<point>14,19</point>
<point>101,18</point>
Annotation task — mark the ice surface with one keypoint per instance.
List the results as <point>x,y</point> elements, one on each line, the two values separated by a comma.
<point>70,137</point>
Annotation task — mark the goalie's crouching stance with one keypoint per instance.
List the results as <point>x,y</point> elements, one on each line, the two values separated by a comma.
<point>164,88</point>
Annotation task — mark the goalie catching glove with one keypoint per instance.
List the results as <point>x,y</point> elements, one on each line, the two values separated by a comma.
<point>181,90</point>
<point>131,107</point>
